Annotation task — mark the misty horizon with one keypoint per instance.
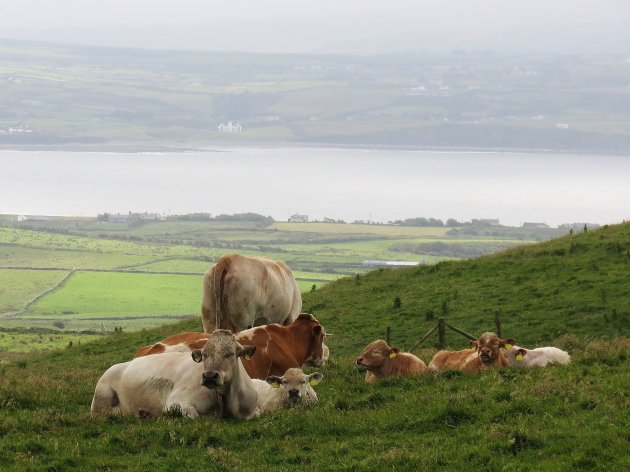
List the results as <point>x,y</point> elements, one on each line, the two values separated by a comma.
<point>351,27</point>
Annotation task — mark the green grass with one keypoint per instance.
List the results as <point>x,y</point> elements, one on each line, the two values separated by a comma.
<point>91,294</point>
<point>17,287</point>
<point>33,342</point>
<point>566,418</point>
<point>576,284</point>
<point>560,418</point>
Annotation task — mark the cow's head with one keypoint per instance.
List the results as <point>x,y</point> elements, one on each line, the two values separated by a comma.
<point>489,347</point>
<point>296,387</point>
<point>515,355</point>
<point>220,357</point>
<point>318,352</point>
<point>375,355</point>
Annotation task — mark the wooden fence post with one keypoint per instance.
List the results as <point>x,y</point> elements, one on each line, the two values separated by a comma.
<point>389,335</point>
<point>459,331</point>
<point>442,332</point>
<point>497,321</point>
<point>421,340</point>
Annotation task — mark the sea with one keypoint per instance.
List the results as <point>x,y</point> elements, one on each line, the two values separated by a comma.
<point>377,186</point>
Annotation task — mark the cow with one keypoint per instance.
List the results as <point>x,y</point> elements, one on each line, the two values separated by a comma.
<point>486,352</point>
<point>213,382</point>
<point>279,348</point>
<point>539,357</point>
<point>292,390</point>
<point>382,361</point>
<point>240,292</point>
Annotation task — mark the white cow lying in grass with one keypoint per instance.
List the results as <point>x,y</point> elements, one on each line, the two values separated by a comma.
<point>212,382</point>
<point>293,389</point>
<point>539,357</point>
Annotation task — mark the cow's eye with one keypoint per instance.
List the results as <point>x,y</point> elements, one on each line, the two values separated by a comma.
<point>302,382</point>
<point>228,355</point>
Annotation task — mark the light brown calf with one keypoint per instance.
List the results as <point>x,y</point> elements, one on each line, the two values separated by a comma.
<point>382,361</point>
<point>486,353</point>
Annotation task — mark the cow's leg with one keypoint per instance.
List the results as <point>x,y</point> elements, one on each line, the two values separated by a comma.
<point>187,409</point>
<point>105,400</point>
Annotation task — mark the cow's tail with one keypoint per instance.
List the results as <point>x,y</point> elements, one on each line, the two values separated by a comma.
<point>218,285</point>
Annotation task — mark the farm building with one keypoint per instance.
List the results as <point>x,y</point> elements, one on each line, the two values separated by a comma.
<point>298,218</point>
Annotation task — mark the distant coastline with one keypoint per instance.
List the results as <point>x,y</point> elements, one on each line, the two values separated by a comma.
<point>147,147</point>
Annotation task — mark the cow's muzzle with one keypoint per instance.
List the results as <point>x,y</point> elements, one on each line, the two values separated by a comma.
<point>485,357</point>
<point>294,394</point>
<point>211,379</point>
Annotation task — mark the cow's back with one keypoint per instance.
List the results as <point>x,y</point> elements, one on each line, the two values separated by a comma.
<point>451,360</point>
<point>245,291</point>
<point>150,383</point>
<point>407,364</point>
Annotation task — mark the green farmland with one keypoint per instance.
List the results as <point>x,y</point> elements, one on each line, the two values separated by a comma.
<point>572,292</point>
<point>137,275</point>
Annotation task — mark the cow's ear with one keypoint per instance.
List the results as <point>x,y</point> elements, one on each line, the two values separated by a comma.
<point>393,352</point>
<point>520,354</point>
<point>508,343</point>
<point>473,344</point>
<point>196,355</point>
<point>246,351</point>
<point>315,378</point>
<point>317,330</point>
<point>274,381</point>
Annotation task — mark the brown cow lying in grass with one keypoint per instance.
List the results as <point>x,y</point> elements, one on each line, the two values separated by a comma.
<point>486,353</point>
<point>382,361</point>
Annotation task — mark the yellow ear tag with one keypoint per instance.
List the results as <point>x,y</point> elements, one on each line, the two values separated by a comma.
<point>508,346</point>
<point>392,355</point>
<point>473,349</point>
<point>275,384</point>
<point>247,357</point>
<point>519,357</point>
<point>313,382</point>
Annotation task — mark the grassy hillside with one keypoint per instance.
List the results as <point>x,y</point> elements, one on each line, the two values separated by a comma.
<point>577,284</point>
<point>128,274</point>
<point>571,292</point>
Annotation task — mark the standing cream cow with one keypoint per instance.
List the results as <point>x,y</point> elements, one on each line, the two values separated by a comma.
<point>240,292</point>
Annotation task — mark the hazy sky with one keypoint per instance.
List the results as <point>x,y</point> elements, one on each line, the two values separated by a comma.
<point>326,25</point>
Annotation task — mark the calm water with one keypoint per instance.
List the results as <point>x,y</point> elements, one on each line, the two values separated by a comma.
<point>350,184</point>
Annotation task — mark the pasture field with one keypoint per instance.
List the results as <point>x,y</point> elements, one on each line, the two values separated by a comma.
<point>18,287</point>
<point>94,294</point>
<point>140,286</point>
<point>561,418</point>
<point>24,256</point>
<point>378,230</point>
<point>34,342</point>
<point>572,293</point>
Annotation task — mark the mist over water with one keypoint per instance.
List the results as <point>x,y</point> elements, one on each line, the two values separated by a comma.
<point>348,184</point>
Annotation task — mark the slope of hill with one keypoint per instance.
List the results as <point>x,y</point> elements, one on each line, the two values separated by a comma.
<point>571,417</point>
<point>577,284</point>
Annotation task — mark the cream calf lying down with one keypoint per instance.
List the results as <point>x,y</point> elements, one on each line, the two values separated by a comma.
<point>293,389</point>
<point>382,361</point>
<point>539,357</point>
<point>204,382</point>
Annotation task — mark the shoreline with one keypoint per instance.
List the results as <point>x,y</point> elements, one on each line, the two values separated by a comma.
<point>149,148</point>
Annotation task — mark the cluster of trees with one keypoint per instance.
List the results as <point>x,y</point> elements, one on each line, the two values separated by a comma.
<point>429,222</point>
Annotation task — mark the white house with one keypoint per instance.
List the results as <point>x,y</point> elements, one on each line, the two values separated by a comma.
<point>298,218</point>
<point>230,127</point>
